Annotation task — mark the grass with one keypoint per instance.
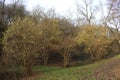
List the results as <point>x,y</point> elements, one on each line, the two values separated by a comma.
<point>72,73</point>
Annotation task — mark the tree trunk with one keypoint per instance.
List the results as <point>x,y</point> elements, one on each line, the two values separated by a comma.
<point>28,64</point>
<point>45,59</point>
<point>66,60</point>
<point>28,69</point>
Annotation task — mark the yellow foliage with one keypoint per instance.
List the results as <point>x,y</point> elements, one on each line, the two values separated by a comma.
<point>96,40</point>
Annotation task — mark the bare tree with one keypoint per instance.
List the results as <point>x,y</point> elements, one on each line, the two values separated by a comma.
<point>2,11</point>
<point>111,18</point>
<point>2,5</point>
<point>114,8</point>
<point>86,12</point>
<point>114,18</point>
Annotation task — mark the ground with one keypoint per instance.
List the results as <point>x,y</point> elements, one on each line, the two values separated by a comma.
<point>107,69</point>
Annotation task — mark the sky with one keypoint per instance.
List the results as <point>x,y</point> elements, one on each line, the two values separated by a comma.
<point>63,7</point>
<point>60,6</point>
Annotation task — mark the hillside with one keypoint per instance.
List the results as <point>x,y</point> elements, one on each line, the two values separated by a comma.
<point>108,69</point>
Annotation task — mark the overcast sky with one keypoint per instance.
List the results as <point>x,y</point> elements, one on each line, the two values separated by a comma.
<point>63,7</point>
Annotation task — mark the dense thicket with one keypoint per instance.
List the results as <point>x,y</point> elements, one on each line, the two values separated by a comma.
<point>7,14</point>
<point>42,36</point>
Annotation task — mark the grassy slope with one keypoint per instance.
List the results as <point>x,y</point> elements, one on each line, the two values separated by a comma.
<point>87,72</point>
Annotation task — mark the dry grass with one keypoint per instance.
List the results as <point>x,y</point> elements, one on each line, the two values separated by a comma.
<point>109,70</point>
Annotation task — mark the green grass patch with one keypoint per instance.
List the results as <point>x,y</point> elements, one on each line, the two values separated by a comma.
<point>72,73</point>
<point>85,72</point>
